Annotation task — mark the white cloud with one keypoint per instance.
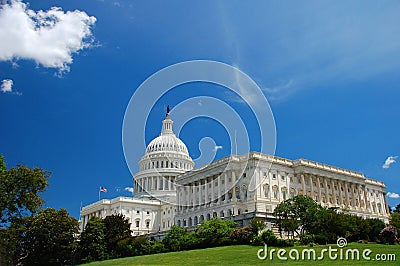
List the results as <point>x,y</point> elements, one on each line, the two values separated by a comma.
<point>130,189</point>
<point>393,195</point>
<point>389,161</point>
<point>281,92</point>
<point>6,85</point>
<point>47,37</point>
<point>216,148</point>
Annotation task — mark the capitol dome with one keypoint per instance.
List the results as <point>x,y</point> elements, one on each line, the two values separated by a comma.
<point>165,158</point>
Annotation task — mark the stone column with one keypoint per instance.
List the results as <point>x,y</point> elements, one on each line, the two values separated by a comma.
<point>270,185</point>
<point>326,190</point>
<point>226,187</point>
<point>303,185</point>
<point>346,188</point>
<point>353,195</point>
<point>366,205</point>
<point>212,189</point>
<point>311,186</point>
<point>219,189</point>
<point>206,190</point>
<point>178,198</point>
<point>319,190</point>
<point>234,186</point>
<point>333,192</point>
<point>359,196</point>
<point>386,204</point>
<point>340,193</point>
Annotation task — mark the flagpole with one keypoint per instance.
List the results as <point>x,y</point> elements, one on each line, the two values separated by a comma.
<point>99,194</point>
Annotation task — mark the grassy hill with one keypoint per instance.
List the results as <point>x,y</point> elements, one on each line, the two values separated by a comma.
<point>247,255</point>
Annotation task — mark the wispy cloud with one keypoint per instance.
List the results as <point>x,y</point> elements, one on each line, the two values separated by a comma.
<point>393,195</point>
<point>280,93</point>
<point>130,189</point>
<point>6,85</point>
<point>389,160</point>
<point>47,37</point>
<point>216,148</point>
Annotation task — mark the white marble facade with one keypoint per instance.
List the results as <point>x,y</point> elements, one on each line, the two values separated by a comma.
<point>168,191</point>
<point>252,185</point>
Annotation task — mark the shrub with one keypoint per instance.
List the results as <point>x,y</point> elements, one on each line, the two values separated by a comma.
<point>215,232</point>
<point>257,241</point>
<point>242,235</point>
<point>389,235</point>
<point>284,243</point>
<point>269,237</point>
<point>306,239</point>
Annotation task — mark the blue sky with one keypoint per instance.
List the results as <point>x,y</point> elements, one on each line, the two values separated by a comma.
<point>329,69</point>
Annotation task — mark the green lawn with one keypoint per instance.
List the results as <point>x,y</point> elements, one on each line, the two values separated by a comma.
<point>247,255</point>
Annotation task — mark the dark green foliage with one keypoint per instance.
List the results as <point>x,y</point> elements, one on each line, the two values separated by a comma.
<point>389,235</point>
<point>397,209</point>
<point>395,220</point>
<point>19,201</point>
<point>257,225</point>
<point>302,215</point>
<point>269,238</point>
<point>19,190</point>
<point>296,215</point>
<point>242,236</point>
<point>50,238</point>
<point>215,232</point>
<point>11,242</point>
<point>179,238</point>
<point>92,245</point>
<point>306,239</point>
<point>117,228</point>
<point>142,245</point>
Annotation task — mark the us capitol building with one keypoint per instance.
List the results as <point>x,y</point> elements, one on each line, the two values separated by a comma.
<point>168,191</point>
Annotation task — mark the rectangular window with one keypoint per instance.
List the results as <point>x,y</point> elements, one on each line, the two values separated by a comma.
<point>137,223</point>
<point>274,176</point>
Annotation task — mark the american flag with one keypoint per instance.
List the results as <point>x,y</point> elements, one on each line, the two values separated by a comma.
<point>103,189</point>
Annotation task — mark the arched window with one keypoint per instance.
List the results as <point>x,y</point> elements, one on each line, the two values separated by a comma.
<point>266,190</point>
<point>275,192</point>
<point>147,223</point>
<point>237,192</point>
<point>244,192</point>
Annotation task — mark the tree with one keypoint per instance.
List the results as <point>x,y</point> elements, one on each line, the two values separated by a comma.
<point>178,238</point>
<point>19,190</point>
<point>20,199</point>
<point>389,235</point>
<point>257,225</point>
<point>242,235</point>
<point>117,228</point>
<point>215,232</point>
<point>395,220</point>
<point>397,208</point>
<point>50,238</point>
<point>92,245</point>
<point>297,213</point>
